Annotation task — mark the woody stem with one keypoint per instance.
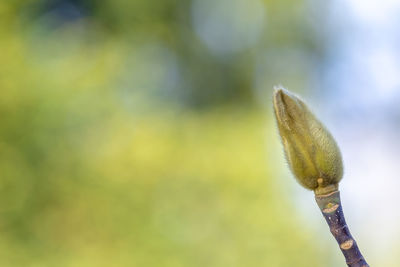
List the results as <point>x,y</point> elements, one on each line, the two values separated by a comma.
<point>331,209</point>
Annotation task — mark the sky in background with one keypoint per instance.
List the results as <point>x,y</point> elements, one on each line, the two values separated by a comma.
<point>360,102</point>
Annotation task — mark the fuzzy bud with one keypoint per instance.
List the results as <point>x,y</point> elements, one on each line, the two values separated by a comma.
<point>312,153</point>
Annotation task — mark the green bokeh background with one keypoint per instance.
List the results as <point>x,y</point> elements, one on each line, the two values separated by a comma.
<point>126,141</point>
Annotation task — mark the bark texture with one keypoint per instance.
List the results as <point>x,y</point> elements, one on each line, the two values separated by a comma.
<point>331,209</point>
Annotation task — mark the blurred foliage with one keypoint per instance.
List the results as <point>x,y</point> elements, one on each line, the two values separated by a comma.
<point>104,161</point>
<point>165,36</point>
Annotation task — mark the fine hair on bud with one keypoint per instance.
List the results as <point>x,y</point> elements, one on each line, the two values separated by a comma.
<point>311,151</point>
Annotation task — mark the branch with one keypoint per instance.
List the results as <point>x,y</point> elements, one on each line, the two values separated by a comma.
<point>331,209</point>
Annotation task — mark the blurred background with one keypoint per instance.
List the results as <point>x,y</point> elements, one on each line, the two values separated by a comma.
<point>140,132</point>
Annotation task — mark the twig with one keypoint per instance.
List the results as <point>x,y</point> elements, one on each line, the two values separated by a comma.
<point>331,209</point>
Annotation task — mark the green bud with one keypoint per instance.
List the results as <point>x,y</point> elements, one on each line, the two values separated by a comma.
<point>312,153</point>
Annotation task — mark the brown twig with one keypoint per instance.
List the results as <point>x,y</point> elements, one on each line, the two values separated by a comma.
<point>331,209</point>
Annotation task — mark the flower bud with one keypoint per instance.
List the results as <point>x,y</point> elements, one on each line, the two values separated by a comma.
<point>312,153</point>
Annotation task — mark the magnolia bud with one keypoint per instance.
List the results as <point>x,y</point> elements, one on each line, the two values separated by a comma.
<point>310,150</point>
